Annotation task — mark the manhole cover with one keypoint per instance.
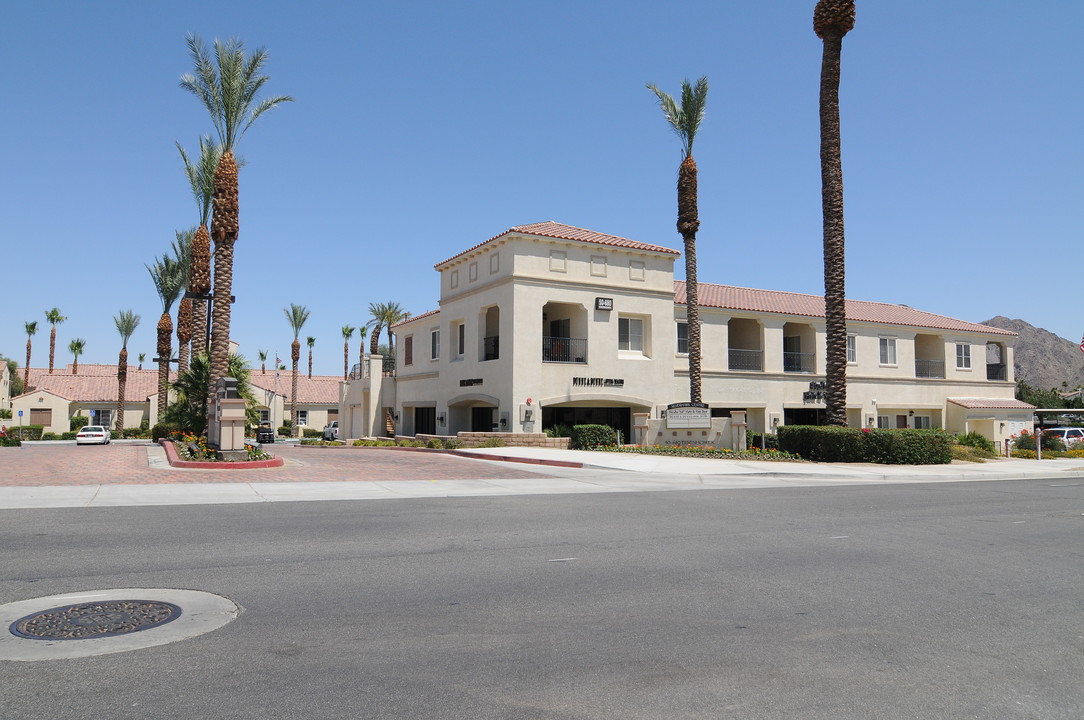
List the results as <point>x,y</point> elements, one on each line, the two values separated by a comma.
<point>95,620</point>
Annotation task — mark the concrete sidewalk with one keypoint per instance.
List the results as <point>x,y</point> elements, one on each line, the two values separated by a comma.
<point>601,472</point>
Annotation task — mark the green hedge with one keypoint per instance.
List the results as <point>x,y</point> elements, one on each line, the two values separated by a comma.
<point>78,421</point>
<point>30,432</point>
<point>312,433</point>
<point>10,440</point>
<point>888,447</point>
<point>589,436</point>
<point>161,430</point>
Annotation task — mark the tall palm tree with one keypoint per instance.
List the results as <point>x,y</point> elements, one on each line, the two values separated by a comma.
<point>685,121</point>
<point>31,330</point>
<point>310,340</point>
<point>182,251</point>
<point>832,19</point>
<point>142,357</point>
<point>55,318</point>
<point>348,332</point>
<point>76,347</point>
<point>227,85</point>
<point>169,280</point>
<point>384,315</point>
<point>127,322</point>
<point>262,354</point>
<point>201,176</point>
<point>296,315</point>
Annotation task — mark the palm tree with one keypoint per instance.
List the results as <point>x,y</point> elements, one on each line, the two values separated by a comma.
<point>227,85</point>
<point>348,332</point>
<point>142,357</point>
<point>263,361</point>
<point>31,330</point>
<point>187,411</point>
<point>201,176</point>
<point>832,19</point>
<point>362,330</point>
<point>169,280</point>
<point>76,347</point>
<point>384,315</point>
<point>55,318</point>
<point>182,251</point>
<point>127,322</point>
<point>685,121</point>
<point>310,340</point>
<point>296,315</point>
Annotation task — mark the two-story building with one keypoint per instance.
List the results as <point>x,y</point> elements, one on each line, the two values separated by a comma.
<point>548,324</point>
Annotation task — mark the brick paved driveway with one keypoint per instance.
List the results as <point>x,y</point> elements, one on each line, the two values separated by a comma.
<point>40,465</point>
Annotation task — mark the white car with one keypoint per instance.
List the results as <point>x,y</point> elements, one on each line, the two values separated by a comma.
<point>331,430</point>
<point>92,435</point>
<point>1068,435</point>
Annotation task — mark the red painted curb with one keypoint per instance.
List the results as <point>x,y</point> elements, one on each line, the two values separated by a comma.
<point>461,453</point>
<point>175,461</point>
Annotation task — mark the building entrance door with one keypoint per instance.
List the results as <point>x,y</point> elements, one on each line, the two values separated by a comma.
<point>481,419</point>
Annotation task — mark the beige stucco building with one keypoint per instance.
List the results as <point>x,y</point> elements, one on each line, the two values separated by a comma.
<point>549,324</point>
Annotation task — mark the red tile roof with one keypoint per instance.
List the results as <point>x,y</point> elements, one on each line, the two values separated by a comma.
<point>318,390</point>
<point>96,383</point>
<point>412,318</point>
<point>559,231</point>
<point>991,404</point>
<point>728,297</point>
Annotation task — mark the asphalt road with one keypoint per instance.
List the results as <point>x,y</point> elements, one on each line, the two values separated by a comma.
<point>956,600</point>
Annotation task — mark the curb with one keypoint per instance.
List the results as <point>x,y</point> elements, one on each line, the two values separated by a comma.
<point>175,461</point>
<point>465,454</point>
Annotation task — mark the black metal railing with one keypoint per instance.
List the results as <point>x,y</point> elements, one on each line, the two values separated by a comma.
<point>930,368</point>
<point>564,350</point>
<point>745,359</point>
<point>357,372</point>
<point>794,362</point>
<point>491,348</point>
<point>996,371</point>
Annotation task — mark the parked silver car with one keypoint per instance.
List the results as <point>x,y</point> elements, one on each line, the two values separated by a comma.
<point>331,430</point>
<point>92,435</point>
<point>1068,435</point>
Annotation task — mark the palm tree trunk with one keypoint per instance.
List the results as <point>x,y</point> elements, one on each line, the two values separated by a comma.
<point>374,339</point>
<point>165,350</point>
<point>201,283</point>
<point>295,352</point>
<point>688,224</point>
<point>52,348</point>
<point>835,311</point>
<point>310,363</point>
<point>26,368</point>
<point>346,360</point>
<point>184,333</point>
<point>224,233</point>
<point>122,384</point>
<point>75,365</point>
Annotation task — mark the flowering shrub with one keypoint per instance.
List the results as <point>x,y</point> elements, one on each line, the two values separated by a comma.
<point>700,451</point>
<point>194,447</point>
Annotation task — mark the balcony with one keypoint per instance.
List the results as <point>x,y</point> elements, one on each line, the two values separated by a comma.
<point>930,368</point>
<point>491,348</point>
<point>564,350</point>
<point>996,371</point>
<point>794,362</point>
<point>745,359</point>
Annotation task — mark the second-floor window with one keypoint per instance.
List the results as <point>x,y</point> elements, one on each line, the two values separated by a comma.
<point>434,339</point>
<point>888,351</point>
<point>963,356</point>
<point>852,349</point>
<point>630,334</point>
<point>408,350</point>
<point>683,337</point>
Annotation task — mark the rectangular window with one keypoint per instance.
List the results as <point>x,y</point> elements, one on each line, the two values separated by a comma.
<point>435,345</point>
<point>882,421</point>
<point>101,417</point>
<point>630,334</point>
<point>852,349</point>
<point>683,337</point>
<point>963,356</point>
<point>408,350</point>
<point>265,416</point>
<point>461,340</point>
<point>888,351</point>
<point>922,422</point>
<point>302,417</point>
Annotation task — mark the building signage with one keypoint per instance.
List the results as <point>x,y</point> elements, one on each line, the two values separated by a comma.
<point>688,415</point>
<point>470,382</point>
<point>604,303</point>
<point>597,382</point>
<point>816,393</point>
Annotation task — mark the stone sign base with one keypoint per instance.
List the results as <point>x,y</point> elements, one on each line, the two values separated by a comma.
<point>725,432</point>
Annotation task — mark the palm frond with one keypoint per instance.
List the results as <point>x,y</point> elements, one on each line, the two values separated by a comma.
<point>169,280</point>
<point>32,327</point>
<point>126,322</point>
<point>296,315</point>
<point>684,120</point>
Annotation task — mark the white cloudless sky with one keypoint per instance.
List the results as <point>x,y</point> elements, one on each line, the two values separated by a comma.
<point>422,128</point>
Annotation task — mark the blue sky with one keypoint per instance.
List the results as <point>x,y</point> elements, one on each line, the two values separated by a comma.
<point>422,128</point>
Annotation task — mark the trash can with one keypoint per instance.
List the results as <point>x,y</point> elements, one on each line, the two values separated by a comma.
<point>265,435</point>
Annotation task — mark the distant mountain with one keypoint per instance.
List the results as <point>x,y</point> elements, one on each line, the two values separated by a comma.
<point>1043,359</point>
